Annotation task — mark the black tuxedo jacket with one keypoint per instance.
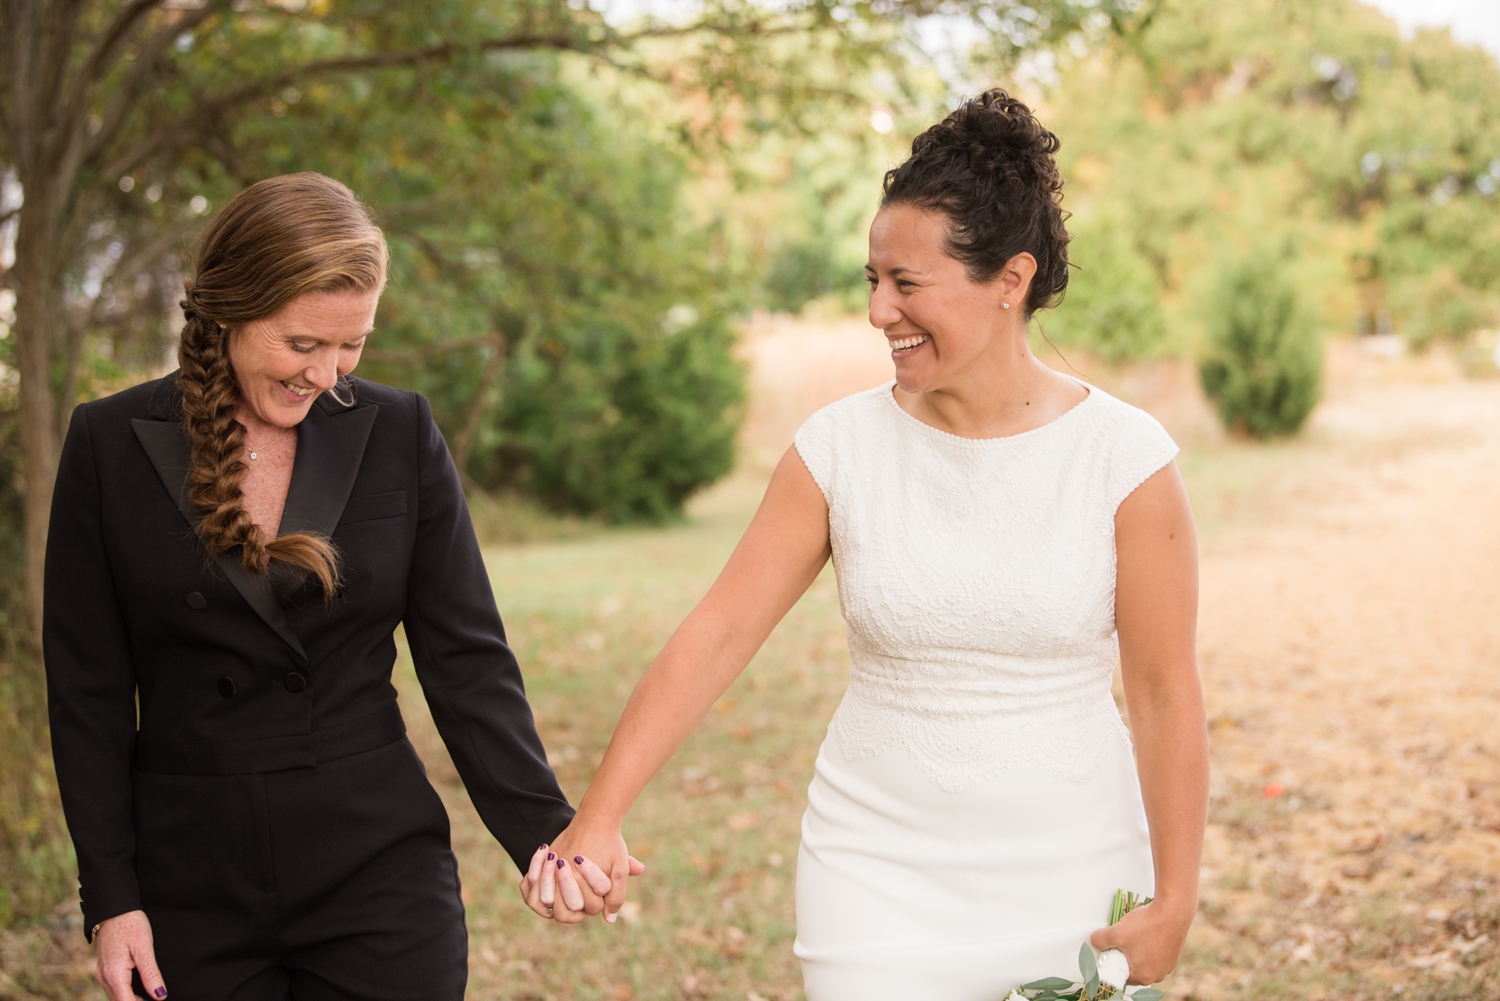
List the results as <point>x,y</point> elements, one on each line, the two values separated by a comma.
<point>162,659</point>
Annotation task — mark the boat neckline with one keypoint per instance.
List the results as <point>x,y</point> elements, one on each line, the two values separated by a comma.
<point>888,391</point>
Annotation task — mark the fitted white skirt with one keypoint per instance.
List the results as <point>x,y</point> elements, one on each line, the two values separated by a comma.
<point>907,892</point>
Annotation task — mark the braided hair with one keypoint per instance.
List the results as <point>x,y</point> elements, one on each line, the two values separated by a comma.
<point>989,168</point>
<point>278,239</point>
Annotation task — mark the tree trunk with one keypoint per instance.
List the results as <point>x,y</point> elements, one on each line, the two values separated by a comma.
<point>463,445</point>
<point>36,314</point>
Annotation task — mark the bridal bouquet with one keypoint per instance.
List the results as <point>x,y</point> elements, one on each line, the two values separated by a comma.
<point>1102,978</point>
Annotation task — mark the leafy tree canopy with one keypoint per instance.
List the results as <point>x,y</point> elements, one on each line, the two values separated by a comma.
<point>1219,125</point>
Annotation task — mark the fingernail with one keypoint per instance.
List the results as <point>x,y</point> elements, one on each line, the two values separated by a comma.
<point>560,863</point>
<point>610,917</point>
<point>542,849</point>
<point>578,860</point>
<point>160,992</point>
<point>550,856</point>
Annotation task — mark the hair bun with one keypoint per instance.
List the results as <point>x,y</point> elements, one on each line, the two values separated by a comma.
<point>997,133</point>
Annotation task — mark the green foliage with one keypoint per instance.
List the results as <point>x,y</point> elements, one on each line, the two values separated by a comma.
<point>1212,124</point>
<point>626,423</point>
<point>1263,364</point>
<point>1439,306</point>
<point>546,292</point>
<point>809,210</point>
<point>1090,988</point>
<point>1113,303</point>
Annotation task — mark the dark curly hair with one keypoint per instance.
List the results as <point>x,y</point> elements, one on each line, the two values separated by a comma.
<point>989,168</point>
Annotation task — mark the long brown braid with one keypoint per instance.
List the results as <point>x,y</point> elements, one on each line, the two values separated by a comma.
<point>276,240</point>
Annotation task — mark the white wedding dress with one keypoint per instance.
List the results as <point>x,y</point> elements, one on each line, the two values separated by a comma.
<point>975,805</point>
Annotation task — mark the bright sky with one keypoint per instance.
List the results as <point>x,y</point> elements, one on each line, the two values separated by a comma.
<point>1473,21</point>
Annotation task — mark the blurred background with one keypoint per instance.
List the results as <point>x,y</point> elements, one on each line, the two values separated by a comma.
<point>627,247</point>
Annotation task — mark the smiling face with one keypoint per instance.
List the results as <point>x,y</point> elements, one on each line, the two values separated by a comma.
<point>940,324</point>
<point>284,361</point>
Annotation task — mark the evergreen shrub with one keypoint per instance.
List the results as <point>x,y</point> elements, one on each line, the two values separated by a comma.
<point>1263,362</point>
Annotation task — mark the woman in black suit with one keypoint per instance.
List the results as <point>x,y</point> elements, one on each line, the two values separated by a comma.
<point>231,550</point>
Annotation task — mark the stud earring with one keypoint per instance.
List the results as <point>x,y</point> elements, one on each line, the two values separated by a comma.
<point>1006,305</point>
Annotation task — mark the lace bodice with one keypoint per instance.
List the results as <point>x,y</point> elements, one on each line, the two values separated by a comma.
<point>977,578</point>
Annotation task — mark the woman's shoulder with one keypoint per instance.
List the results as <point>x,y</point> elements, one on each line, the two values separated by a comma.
<point>378,393</point>
<point>855,411</point>
<point>155,399</point>
<point>1123,422</point>
<point>393,406</point>
<point>829,436</point>
<point>1132,444</point>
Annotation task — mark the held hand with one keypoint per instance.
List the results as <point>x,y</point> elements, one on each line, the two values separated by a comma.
<point>550,888</point>
<point>1151,937</point>
<point>600,858</point>
<point>568,891</point>
<point>122,944</point>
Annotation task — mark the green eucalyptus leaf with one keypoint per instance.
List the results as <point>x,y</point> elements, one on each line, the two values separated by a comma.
<point>1088,967</point>
<point>1148,994</point>
<point>1049,984</point>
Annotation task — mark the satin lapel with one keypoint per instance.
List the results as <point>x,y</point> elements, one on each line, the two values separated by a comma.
<point>169,453</point>
<point>330,448</point>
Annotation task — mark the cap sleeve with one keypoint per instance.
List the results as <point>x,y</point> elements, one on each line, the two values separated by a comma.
<point>1140,449</point>
<point>815,444</point>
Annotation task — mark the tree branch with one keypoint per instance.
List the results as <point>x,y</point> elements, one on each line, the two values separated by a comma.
<point>382,356</point>
<point>463,445</point>
<point>105,53</point>
<point>417,206</point>
<point>128,264</point>
<point>160,137</point>
<point>61,25</point>
<point>142,73</point>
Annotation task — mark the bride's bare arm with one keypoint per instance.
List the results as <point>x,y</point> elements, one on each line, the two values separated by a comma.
<point>778,558</point>
<point>1156,613</point>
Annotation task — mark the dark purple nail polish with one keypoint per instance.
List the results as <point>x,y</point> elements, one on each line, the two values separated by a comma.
<point>550,856</point>
<point>578,860</point>
<point>560,863</point>
<point>543,848</point>
<point>160,992</point>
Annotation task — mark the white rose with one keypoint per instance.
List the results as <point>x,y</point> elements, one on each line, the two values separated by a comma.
<point>1015,996</point>
<point>1114,968</point>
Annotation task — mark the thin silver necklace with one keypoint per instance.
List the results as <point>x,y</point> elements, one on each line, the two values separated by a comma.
<point>255,452</point>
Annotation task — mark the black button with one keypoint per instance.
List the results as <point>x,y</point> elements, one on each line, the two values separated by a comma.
<point>226,687</point>
<point>294,682</point>
<point>196,600</point>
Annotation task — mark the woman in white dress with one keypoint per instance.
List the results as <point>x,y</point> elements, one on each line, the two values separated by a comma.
<point>1003,536</point>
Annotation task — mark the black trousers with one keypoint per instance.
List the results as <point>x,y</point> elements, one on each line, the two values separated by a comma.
<point>330,883</point>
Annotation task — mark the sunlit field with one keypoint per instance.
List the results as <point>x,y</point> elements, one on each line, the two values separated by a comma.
<point>1350,639</point>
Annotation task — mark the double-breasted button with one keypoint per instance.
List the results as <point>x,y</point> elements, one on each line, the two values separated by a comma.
<point>196,600</point>
<point>226,687</point>
<point>294,682</point>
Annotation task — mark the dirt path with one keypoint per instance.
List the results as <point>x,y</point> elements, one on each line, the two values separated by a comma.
<point>1350,643</point>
